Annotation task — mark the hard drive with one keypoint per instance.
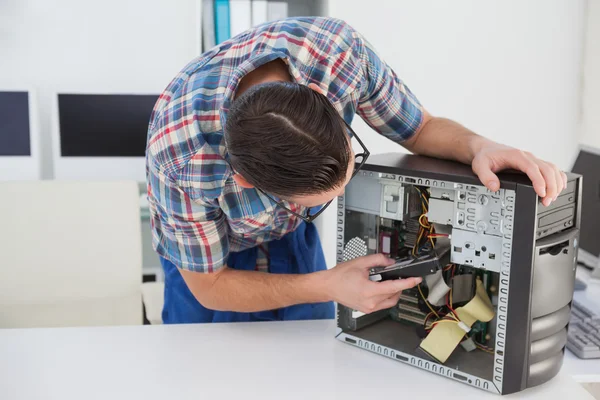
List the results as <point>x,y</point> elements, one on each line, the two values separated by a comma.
<point>410,266</point>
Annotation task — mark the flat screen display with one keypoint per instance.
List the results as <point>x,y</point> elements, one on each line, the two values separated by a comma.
<point>14,124</point>
<point>100,125</point>
<point>588,165</point>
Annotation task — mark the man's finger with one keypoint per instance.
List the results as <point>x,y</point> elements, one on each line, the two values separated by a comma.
<point>532,170</point>
<point>550,178</point>
<point>389,302</point>
<point>482,169</point>
<point>374,260</point>
<point>559,180</point>
<point>564,177</point>
<point>395,286</point>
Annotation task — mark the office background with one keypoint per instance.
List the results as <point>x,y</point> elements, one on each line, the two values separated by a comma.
<point>523,73</point>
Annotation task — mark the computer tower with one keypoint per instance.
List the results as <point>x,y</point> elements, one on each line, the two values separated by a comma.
<point>499,269</point>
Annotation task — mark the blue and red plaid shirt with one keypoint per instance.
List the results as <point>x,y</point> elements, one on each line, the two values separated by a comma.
<point>199,214</point>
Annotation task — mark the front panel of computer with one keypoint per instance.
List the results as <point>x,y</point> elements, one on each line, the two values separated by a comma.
<point>470,319</point>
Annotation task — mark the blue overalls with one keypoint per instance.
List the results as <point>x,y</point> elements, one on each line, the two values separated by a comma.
<point>298,252</point>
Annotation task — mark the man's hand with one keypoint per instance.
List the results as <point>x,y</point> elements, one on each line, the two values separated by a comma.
<point>548,181</point>
<point>350,285</point>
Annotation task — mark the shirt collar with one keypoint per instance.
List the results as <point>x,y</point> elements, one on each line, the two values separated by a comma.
<point>253,62</point>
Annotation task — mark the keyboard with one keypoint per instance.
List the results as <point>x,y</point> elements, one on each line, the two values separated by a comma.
<point>584,331</point>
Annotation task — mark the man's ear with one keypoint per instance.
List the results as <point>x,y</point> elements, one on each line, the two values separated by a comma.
<point>240,180</point>
<point>317,89</point>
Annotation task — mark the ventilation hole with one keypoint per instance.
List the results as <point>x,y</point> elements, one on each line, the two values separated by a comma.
<point>401,358</point>
<point>492,256</point>
<point>477,253</point>
<point>500,352</point>
<point>483,248</point>
<point>350,340</point>
<point>457,249</point>
<point>467,245</point>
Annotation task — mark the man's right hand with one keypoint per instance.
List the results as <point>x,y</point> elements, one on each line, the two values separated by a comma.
<point>350,285</point>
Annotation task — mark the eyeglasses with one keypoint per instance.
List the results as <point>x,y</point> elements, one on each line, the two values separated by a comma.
<point>359,161</point>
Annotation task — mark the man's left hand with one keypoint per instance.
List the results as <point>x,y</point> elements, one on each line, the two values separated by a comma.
<point>548,181</point>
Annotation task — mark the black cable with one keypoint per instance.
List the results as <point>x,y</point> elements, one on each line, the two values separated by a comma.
<point>588,267</point>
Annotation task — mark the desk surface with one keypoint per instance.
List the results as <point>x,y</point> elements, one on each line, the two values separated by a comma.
<point>281,360</point>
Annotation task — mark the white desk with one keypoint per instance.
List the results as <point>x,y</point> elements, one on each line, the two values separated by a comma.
<point>281,360</point>
<point>585,370</point>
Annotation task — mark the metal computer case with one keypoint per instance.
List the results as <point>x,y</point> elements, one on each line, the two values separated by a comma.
<point>530,330</point>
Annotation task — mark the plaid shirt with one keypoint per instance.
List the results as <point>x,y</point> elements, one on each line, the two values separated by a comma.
<point>199,214</point>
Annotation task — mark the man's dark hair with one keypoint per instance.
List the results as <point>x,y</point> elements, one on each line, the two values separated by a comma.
<point>287,140</point>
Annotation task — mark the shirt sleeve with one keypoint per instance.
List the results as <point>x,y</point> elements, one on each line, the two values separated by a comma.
<point>385,103</point>
<point>192,234</point>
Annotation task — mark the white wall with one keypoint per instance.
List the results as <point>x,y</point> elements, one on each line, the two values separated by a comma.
<point>508,69</point>
<point>590,132</point>
<point>97,46</point>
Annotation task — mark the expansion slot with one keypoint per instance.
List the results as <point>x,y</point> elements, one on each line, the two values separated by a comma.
<point>409,299</point>
<point>411,308</point>
<point>411,318</point>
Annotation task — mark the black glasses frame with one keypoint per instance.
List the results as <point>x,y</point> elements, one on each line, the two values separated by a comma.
<point>308,217</point>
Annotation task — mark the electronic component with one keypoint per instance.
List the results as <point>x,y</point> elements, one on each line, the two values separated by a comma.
<point>484,299</point>
<point>412,230</point>
<point>448,333</point>
<point>412,208</point>
<point>426,264</point>
<point>559,214</point>
<point>440,211</point>
<point>468,344</point>
<point>390,237</point>
<point>463,287</point>
<point>392,201</point>
<point>438,289</point>
<point>408,309</point>
<point>353,320</point>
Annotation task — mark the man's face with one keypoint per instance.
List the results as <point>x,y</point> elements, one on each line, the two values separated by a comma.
<point>314,200</point>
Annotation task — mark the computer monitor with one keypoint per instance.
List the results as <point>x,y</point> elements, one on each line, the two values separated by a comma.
<point>588,165</point>
<point>101,136</point>
<point>19,152</point>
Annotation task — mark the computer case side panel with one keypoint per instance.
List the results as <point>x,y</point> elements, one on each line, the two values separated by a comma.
<point>518,321</point>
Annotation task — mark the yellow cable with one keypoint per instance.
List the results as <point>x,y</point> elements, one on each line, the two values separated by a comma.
<point>426,302</point>
<point>444,320</point>
<point>454,317</point>
<point>415,247</point>
<point>482,348</point>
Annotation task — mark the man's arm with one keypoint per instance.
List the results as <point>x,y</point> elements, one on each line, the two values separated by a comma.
<point>390,108</point>
<point>250,291</point>
<point>444,138</point>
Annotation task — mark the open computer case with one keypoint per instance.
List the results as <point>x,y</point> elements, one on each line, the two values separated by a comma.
<point>498,270</point>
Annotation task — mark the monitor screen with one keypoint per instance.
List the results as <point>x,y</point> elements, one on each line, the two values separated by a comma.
<point>100,125</point>
<point>588,165</point>
<point>14,124</point>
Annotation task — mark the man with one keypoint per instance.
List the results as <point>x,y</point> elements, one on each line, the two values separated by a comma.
<point>249,142</point>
